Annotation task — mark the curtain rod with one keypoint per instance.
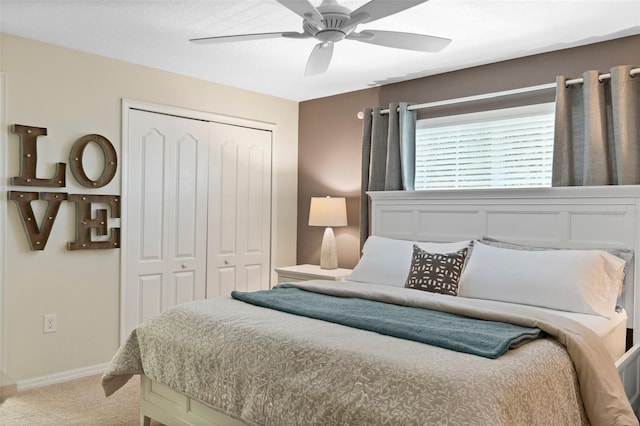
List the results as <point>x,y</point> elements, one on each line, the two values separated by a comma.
<point>601,77</point>
<point>474,98</point>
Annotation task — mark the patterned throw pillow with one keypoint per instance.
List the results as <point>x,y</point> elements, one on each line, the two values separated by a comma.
<point>434,272</point>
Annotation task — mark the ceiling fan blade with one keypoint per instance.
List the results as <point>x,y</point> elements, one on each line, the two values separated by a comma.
<point>319,59</point>
<point>303,8</point>
<point>399,40</point>
<point>247,37</point>
<point>377,9</point>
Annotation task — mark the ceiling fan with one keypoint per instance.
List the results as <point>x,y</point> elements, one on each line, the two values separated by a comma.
<point>330,23</point>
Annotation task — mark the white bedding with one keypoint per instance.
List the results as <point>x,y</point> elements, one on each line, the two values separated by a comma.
<point>612,331</point>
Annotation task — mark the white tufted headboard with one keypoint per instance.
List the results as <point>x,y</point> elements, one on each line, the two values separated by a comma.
<point>567,217</point>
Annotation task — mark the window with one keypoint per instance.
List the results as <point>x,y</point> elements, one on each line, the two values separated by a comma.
<point>506,148</point>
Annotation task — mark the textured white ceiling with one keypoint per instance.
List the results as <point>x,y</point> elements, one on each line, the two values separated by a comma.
<point>156,33</point>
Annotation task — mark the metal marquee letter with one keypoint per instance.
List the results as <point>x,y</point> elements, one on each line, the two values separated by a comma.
<point>84,222</point>
<point>29,159</point>
<point>110,161</point>
<point>37,235</point>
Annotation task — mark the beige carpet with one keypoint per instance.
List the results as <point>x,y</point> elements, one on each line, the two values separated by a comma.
<point>77,402</point>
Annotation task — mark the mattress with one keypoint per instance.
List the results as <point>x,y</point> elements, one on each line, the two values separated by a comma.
<point>611,331</point>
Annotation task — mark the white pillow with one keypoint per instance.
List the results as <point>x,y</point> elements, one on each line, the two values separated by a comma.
<point>387,261</point>
<point>624,254</point>
<point>584,281</point>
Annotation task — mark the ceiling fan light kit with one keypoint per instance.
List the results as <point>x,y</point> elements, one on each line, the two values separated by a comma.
<point>330,23</point>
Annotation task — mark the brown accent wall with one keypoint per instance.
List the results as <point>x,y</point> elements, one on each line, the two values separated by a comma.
<point>329,156</point>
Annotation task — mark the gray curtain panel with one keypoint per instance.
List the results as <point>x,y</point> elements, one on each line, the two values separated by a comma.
<point>388,155</point>
<point>597,130</point>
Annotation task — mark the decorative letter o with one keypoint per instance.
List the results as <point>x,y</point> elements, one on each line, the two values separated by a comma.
<point>110,161</point>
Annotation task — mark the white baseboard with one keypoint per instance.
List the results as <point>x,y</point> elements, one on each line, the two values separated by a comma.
<point>65,376</point>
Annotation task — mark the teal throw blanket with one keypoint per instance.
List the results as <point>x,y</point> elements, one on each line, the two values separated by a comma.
<point>489,339</point>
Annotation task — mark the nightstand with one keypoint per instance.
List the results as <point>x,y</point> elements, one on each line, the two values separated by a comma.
<point>310,272</point>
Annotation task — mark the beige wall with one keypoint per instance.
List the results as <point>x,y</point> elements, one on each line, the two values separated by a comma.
<point>330,133</point>
<point>72,94</point>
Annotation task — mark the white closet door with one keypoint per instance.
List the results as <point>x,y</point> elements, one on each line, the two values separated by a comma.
<point>167,189</point>
<point>239,210</point>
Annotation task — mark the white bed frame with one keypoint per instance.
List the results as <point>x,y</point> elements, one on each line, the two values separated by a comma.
<point>584,217</point>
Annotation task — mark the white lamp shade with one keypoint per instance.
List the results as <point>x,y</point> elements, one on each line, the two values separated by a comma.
<point>328,211</point>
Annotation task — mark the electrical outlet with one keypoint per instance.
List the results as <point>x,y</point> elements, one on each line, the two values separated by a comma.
<point>50,323</point>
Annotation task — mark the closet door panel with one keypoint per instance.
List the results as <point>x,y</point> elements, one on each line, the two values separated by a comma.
<point>187,233</point>
<point>226,190</point>
<point>239,209</point>
<point>148,182</point>
<point>224,282</point>
<point>186,218</point>
<point>150,296</point>
<point>166,214</point>
<point>258,159</point>
<point>254,277</point>
<point>185,287</point>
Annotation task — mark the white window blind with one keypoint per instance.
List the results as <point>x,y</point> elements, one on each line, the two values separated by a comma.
<point>504,148</point>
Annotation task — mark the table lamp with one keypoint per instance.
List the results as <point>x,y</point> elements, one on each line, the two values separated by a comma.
<point>329,212</point>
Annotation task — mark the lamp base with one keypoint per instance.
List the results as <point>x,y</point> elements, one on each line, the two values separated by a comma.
<point>328,251</point>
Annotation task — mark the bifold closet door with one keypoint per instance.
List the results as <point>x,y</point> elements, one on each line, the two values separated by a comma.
<point>239,209</point>
<point>166,235</point>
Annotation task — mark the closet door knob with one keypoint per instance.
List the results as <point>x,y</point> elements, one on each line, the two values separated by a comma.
<point>184,266</point>
<point>226,262</point>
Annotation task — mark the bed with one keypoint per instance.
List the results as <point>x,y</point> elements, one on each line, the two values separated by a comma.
<point>279,368</point>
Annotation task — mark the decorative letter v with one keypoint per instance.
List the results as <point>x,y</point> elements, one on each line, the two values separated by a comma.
<point>37,237</point>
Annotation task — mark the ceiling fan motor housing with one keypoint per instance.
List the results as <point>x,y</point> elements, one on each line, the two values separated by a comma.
<point>335,18</point>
